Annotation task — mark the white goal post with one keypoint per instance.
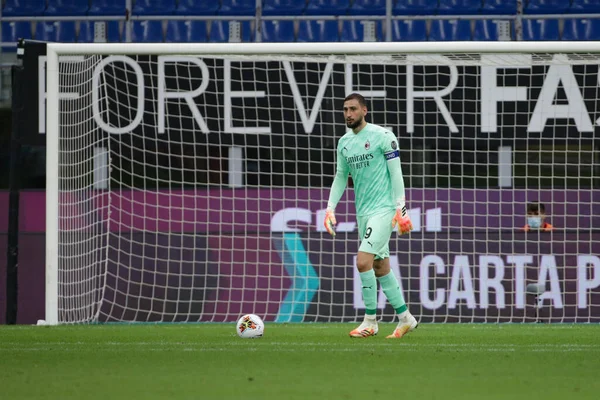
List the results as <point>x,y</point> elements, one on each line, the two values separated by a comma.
<point>186,182</point>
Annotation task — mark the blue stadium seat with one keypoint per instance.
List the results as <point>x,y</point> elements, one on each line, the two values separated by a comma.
<point>277,31</point>
<point>318,31</point>
<point>581,29</point>
<point>114,31</point>
<point>450,30</point>
<point>487,30</point>
<point>415,7</point>
<point>16,8</point>
<point>153,7</point>
<point>367,7</point>
<point>219,31</point>
<point>540,29</point>
<point>86,32</point>
<point>283,7</point>
<point>546,7</point>
<point>55,31</point>
<point>186,31</point>
<point>237,7</point>
<point>15,30</point>
<point>147,31</point>
<point>194,7</point>
<point>498,7</point>
<point>353,31</point>
<point>585,6</point>
<point>327,7</point>
<point>107,7</point>
<point>459,7</point>
<point>409,30</point>
<point>67,7</point>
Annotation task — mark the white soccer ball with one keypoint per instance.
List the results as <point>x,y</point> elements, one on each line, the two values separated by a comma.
<point>250,326</point>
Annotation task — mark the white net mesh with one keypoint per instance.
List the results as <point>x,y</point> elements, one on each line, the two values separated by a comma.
<point>82,243</point>
<point>192,188</point>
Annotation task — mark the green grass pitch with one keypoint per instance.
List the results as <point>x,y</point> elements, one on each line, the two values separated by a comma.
<point>299,361</point>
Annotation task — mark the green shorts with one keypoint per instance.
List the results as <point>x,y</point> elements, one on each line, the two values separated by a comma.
<point>375,231</point>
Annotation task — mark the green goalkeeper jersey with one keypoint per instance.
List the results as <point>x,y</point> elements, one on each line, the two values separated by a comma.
<point>371,157</point>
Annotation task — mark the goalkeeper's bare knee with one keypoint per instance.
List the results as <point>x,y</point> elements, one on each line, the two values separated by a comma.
<point>364,261</point>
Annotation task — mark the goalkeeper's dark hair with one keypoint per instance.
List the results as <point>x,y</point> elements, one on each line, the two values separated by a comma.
<point>358,97</point>
<point>537,208</point>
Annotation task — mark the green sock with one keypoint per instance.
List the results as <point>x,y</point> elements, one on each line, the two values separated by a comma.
<point>391,289</point>
<point>369,291</point>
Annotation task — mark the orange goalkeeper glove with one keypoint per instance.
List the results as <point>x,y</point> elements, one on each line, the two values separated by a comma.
<point>402,219</point>
<point>330,221</point>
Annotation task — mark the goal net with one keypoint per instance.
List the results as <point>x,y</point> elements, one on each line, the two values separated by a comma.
<point>187,183</point>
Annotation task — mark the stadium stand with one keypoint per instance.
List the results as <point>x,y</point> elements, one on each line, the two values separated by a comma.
<point>237,7</point>
<point>113,29</point>
<point>278,31</point>
<point>581,29</point>
<point>540,29</point>
<point>462,7</point>
<point>220,31</point>
<point>193,7</point>
<point>423,20</point>
<point>499,7</point>
<point>546,6</point>
<point>486,30</point>
<point>107,7</point>
<point>15,30</point>
<point>66,7</point>
<point>186,31</point>
<point>318,31</point>
<point>415,7</point>
<point>453,30</point>
<point>327,7</point>
<point>409,30</point>
<point>56,31</point>
<point>585,6</point>
<point>153,7</point>
<point>17,8</point>
<point>147,31</point>
<point>367,7</point>
<point>283,7</point>
<point>354,31</point>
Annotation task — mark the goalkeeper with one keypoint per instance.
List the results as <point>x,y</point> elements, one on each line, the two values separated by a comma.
<point>369,153</point>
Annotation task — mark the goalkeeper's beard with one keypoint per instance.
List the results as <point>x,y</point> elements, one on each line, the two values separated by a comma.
<point>354,124</point>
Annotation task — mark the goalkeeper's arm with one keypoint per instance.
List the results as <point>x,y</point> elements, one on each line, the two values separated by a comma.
<point>395,169</point>
<point>335,194</point>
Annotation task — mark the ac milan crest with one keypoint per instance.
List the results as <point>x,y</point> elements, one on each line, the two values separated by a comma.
<point>367,145</point>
